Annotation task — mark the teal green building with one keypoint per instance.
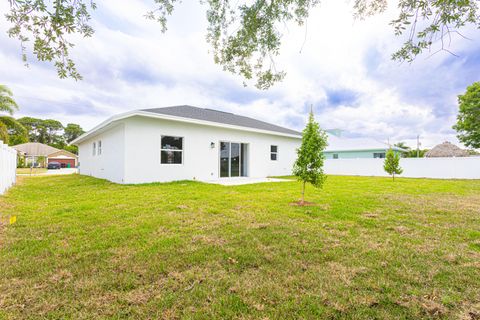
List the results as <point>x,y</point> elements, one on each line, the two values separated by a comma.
<point>354,148</point>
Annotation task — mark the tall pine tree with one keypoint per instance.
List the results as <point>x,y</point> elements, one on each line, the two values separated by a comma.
<point>309,164</point>
<point>391,165</point>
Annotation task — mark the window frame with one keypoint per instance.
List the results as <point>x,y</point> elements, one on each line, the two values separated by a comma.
<point>182,151</point>
<point>335,156</point>
<point>94,149</point>
<point>274,152</point>
<point>99,147</point>
<point>382,155</point>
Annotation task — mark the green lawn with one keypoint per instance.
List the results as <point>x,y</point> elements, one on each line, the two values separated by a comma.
<point>31,170</point>
<point>84,248</point>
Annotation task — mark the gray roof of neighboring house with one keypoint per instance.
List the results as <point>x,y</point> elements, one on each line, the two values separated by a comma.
<point>35,149</point>
<point>219,117</point>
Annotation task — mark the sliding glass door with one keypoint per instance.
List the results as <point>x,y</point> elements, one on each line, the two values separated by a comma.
<point>224,159</point>
<point>233,159</point>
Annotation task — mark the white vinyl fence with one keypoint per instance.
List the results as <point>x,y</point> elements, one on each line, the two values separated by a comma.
<point>437,168</point>
<point>8,166</point>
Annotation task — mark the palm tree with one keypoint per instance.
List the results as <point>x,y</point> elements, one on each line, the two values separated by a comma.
<point>402,145</point>
<point>7,104</point>
<point>6,101</point>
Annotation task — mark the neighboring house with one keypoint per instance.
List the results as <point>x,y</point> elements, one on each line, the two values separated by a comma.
<point>446,149</point>
<point>350,148</point>
<point>41,154</point>
<point>185,143</point>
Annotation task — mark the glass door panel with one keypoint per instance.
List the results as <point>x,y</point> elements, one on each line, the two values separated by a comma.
<point>235,160</point>
<point>224,159</point>
<point>243,159</point>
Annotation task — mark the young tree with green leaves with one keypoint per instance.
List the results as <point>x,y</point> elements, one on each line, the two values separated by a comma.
<point>309,164</point>
<point>468,119</point>
<point>391,165</point>
<point>245,36</point>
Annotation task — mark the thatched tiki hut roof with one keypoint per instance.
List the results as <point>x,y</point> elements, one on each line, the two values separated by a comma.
<point>446,149</point>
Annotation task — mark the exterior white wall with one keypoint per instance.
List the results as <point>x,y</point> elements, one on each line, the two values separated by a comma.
<point>110,164</point>
<point>200,161</point>
<point>437,168</point>
<point>8,167</point>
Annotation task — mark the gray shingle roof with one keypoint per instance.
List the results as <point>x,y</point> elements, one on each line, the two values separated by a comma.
<point>219,117</point>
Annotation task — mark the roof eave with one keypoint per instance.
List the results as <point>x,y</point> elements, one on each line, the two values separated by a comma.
<point>101,126</point>
<point>175,118</point>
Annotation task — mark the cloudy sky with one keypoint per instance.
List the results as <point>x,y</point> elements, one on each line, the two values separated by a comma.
<point>340,66</point>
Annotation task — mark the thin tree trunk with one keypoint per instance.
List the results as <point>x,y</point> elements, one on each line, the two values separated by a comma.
<point>303,193</point>
<point>393,177</point>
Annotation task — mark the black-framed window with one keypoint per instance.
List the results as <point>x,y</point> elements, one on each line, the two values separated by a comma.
<point>273,153</point>
<point>99,151</point>
<point>171,150</point>
<point>380,155</point>
<point>335,156</point>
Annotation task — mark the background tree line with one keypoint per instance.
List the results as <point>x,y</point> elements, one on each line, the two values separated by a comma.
<point>27,129</point>
<point>411,153</point>
<point>47,131</point>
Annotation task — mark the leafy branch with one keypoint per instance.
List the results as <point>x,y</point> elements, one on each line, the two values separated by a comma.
<point>49,26</point>
<point>245,36</point>
<point>425,22</point>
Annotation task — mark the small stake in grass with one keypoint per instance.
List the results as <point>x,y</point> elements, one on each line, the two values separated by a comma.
<point>8,220</point>
<point>391,165</point>
<point>309,164</point>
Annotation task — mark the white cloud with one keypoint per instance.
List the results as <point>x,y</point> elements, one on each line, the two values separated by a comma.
<point>130,64</point>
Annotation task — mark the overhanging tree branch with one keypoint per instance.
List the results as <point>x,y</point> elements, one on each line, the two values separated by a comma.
<point>244,35</point>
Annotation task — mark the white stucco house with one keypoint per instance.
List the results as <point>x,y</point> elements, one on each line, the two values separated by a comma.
<point>185,143</point>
